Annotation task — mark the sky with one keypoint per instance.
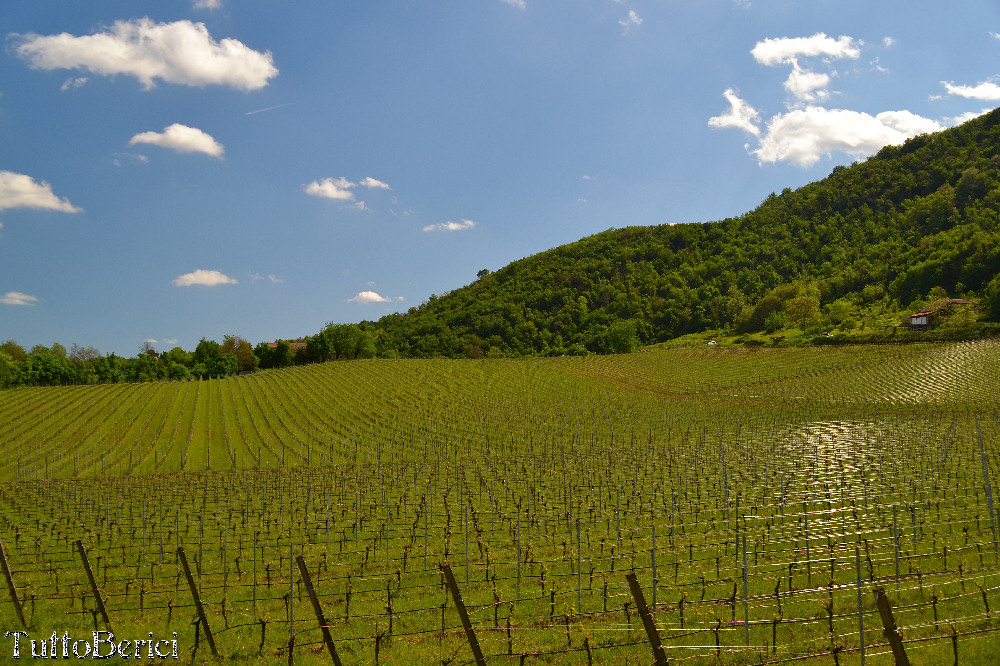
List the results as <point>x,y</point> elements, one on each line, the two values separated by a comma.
<point>173,170</point>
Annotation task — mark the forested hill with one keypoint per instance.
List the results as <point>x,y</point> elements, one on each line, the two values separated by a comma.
<point>912,223</point>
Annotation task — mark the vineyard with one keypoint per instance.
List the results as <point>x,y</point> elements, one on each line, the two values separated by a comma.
<point>760,497</point>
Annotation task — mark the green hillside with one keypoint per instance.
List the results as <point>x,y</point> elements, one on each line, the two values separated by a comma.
<point>864,245</point>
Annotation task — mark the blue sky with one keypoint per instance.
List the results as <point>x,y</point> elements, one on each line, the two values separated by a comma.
<point>180,169</point>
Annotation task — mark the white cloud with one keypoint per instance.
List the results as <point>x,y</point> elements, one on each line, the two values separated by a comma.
<point>17,298</point>
<point>369,297</point>
<point>20,191</point>
<point>995,35</point>
<point>169,341</point>
<point>207,4</point>
<point>630,21</point>
<point>181,52</point>
<point>134,156</point>
<point>203,277</point>
<point>183,139</point>
<point>965,117</point>
<point>450,226</point>
<point>803,136</point>
<point>73,83</point>
<point>520,4</point>
<point>740,115</point>
<point>337,189</point>
<point>986,90</point>
<point>888,42</point>
<point>151,341</point>
<point>371,183</point>
<point>806,85</point>
<point>784,50</point>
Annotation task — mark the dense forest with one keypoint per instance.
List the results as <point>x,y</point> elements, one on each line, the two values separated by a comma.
<point>911,226</point>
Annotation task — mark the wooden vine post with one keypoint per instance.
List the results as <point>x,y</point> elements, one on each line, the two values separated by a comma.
<point>93,583</point>
<point>11,587</point>
<point>202,618</point>
<point>647,620</point>
<point>891,633</point>
<point>470,634</point>
<point>324,627</point>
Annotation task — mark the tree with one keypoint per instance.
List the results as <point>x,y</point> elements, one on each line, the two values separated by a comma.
<point>281,356</point>
<point>803,311</point>
<point>224,364</point>
<point>621,337</point>
<point>14,351</point>
<point>206,351</point>
<point>241,349</point>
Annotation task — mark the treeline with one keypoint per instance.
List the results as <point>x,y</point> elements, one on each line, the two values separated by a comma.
<point>55,365</point>
<point>910,226</point>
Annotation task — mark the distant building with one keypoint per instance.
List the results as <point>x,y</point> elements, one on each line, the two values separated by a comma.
<point>932,315</point>
<point>295,346</point>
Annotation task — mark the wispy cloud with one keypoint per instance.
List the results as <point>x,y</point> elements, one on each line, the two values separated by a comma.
<point>183,139</point>
<point>17,298</point>
<point>20,191</point>
<point>207,4</point>
<point>181,52</point>
<point>520,4</point>
<point>203,277</point>
<point>73,83</point>
<point>630,21</point>
<point>269,108</point>
<point>451,226</point>
<point>270,277</point>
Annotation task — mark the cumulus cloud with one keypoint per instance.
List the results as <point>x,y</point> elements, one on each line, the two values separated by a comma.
<point>183,139</point>
<point>740,115</point>
<point>806,85</point>
<point>17,298</point>
<point>20,191</point>
<point>803,136</point>
<point>785,50</point>
<point>338,189</point>
<point>181,52</point>
<point>450,226</point>
<point>369,297</point>
<point>203,277</point>
<point>371,183</point>
<point>986,90</point>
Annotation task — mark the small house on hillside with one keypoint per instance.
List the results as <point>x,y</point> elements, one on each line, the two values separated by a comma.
<point>295,346</point>
<point>933,314</point>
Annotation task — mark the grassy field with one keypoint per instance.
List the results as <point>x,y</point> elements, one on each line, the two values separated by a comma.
<point>753,492</point>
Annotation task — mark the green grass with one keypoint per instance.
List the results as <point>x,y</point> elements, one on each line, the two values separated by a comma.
<point>363,467</point>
